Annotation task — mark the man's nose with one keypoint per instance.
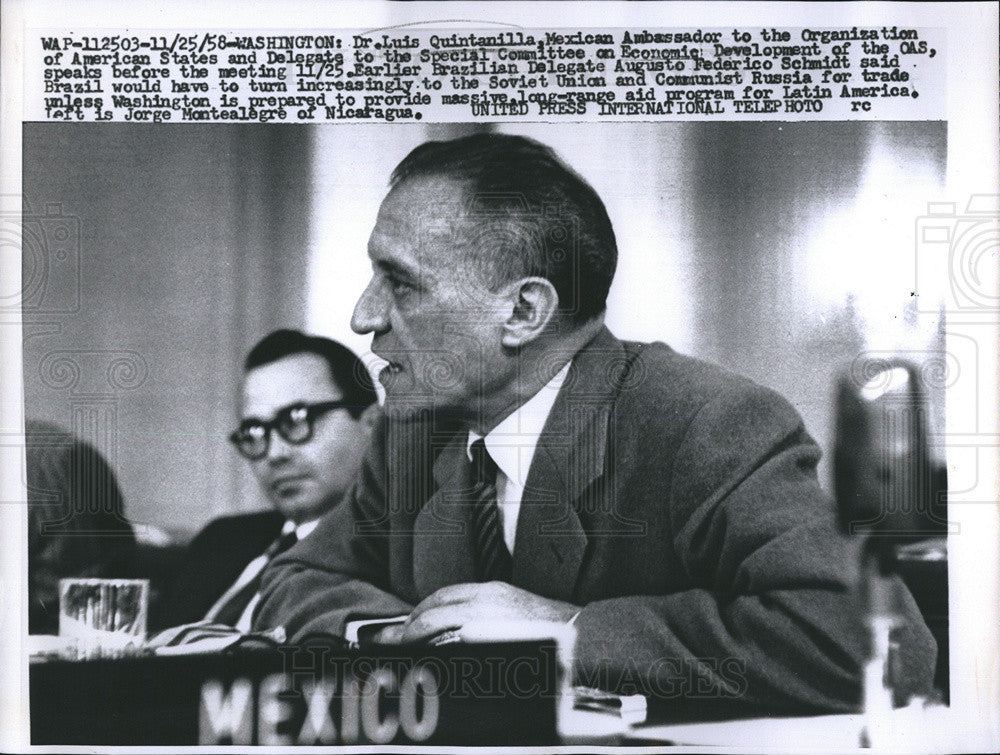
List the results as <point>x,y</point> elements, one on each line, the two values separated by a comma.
<point>370,313</point>
<point>279,450</point>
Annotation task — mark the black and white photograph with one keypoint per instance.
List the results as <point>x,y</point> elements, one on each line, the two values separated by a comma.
<point>440,376</point>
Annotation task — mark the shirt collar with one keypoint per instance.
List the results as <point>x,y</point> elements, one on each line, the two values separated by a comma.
<point>301,530</point>
<point>516,437</point>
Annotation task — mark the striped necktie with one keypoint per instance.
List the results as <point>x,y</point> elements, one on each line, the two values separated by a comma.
<point>493,560</point>
<point>231,610</point>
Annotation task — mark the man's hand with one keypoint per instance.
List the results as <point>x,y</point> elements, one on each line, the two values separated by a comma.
<point>452,607</point>
<point>389,635</point>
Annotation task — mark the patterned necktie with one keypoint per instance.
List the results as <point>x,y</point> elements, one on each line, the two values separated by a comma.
<point>493,560</point>
<point>230,611</point>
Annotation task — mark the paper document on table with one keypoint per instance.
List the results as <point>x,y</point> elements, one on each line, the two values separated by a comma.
<point>206,637</point>
<point>630,708</point>
<point>353,628</point>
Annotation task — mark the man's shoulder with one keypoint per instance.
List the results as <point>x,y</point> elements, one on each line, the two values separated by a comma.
<point>656,367</point>
<point>642,369</point>
<point>681,386</point>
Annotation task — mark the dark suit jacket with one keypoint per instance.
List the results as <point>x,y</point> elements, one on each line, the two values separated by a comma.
<point>675,502</point>
<point>212,562</point>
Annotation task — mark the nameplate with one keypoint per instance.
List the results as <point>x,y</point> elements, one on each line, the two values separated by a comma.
<point>489,694</point>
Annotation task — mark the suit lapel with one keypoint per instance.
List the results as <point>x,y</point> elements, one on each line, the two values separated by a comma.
<point>442,542</point>
<point>571,455</point>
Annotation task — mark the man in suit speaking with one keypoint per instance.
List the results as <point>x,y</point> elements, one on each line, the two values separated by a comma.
<point>533,466</point>
<point>305,421</point>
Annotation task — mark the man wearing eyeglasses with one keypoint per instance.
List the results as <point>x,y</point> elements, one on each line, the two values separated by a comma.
<point>305,420</point>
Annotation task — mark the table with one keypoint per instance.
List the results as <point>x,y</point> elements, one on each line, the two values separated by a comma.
<point>510,693</point>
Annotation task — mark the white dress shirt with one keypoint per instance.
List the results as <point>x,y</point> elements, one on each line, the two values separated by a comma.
<point>511,445</point>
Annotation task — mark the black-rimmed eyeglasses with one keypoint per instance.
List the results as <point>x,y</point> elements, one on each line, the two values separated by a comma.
<point>294,423</point>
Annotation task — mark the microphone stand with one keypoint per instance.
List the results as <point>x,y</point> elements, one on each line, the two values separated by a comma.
<point>881,464</point>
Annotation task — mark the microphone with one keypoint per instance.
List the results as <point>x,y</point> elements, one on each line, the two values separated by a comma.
<point>888,488</point>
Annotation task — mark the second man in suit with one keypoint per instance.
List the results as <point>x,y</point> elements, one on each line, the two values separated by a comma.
<point>305,420</point>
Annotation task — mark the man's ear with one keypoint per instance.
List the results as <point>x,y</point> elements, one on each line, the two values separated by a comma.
<point>535,302</point>
<point>370,416</point>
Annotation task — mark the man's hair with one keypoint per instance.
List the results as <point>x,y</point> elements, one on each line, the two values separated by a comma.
<point>534,215</point>
<point>346,369</point>
<point>76,519</point>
